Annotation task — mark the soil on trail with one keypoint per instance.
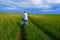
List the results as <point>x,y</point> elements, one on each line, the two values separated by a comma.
<point>22,33</point>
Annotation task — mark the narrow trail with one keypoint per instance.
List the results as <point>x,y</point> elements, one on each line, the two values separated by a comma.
<point>47,33</point>
<point>22,35</point>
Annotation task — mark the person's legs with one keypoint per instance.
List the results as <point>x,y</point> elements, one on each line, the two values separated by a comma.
<point>25,21</point>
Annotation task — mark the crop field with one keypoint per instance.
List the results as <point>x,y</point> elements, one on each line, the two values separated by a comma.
<point>9,28</point>
<point>39,27</point>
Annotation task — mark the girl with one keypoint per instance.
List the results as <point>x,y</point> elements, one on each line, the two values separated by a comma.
<point>24,17</point>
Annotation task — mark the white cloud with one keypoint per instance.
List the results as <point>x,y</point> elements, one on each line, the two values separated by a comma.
<point>40,4</point>
<point>53,1</point>
<point>44,4</point>
<point>57,1</point>
<point>13,4</point>
<point>36,2</point>
<point>10,8</point>
<point>50,1</point>
<point>46,10</point>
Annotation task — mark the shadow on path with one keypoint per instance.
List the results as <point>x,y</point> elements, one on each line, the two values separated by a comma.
<point>22,33</point>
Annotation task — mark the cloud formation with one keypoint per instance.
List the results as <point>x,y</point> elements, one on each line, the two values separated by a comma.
<point>18,4</point>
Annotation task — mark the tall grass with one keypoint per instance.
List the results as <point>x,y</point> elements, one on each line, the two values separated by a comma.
<point>34,33</point>
<point>9,28</point>
<point>48,23</point>
<point>37,24</point>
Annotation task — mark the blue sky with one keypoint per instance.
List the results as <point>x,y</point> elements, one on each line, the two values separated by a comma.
<point>32,6</point>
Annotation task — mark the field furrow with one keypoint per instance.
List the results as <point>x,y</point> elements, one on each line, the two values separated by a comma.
<point>45,32</point>
<point>39,27</point>
<point>49,24</point>
<point>34,33</point>
<point>22,32</point>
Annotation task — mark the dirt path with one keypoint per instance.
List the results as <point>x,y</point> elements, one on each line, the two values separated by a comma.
<point>22,33</point>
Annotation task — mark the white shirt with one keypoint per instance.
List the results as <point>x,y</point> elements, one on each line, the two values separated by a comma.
<point>25,17</point>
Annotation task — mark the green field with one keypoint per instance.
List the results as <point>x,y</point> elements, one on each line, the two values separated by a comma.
<point>39,27</point>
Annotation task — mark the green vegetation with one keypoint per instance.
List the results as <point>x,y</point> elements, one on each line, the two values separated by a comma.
<point>49,24</point>
<point>39,27</point>
<point>9,28</point>
<point>34,33</point>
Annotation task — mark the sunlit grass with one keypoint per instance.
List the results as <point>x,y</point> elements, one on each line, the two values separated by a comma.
<point>49,23</point>
<point>37,24</point>
<point>9,29</point>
